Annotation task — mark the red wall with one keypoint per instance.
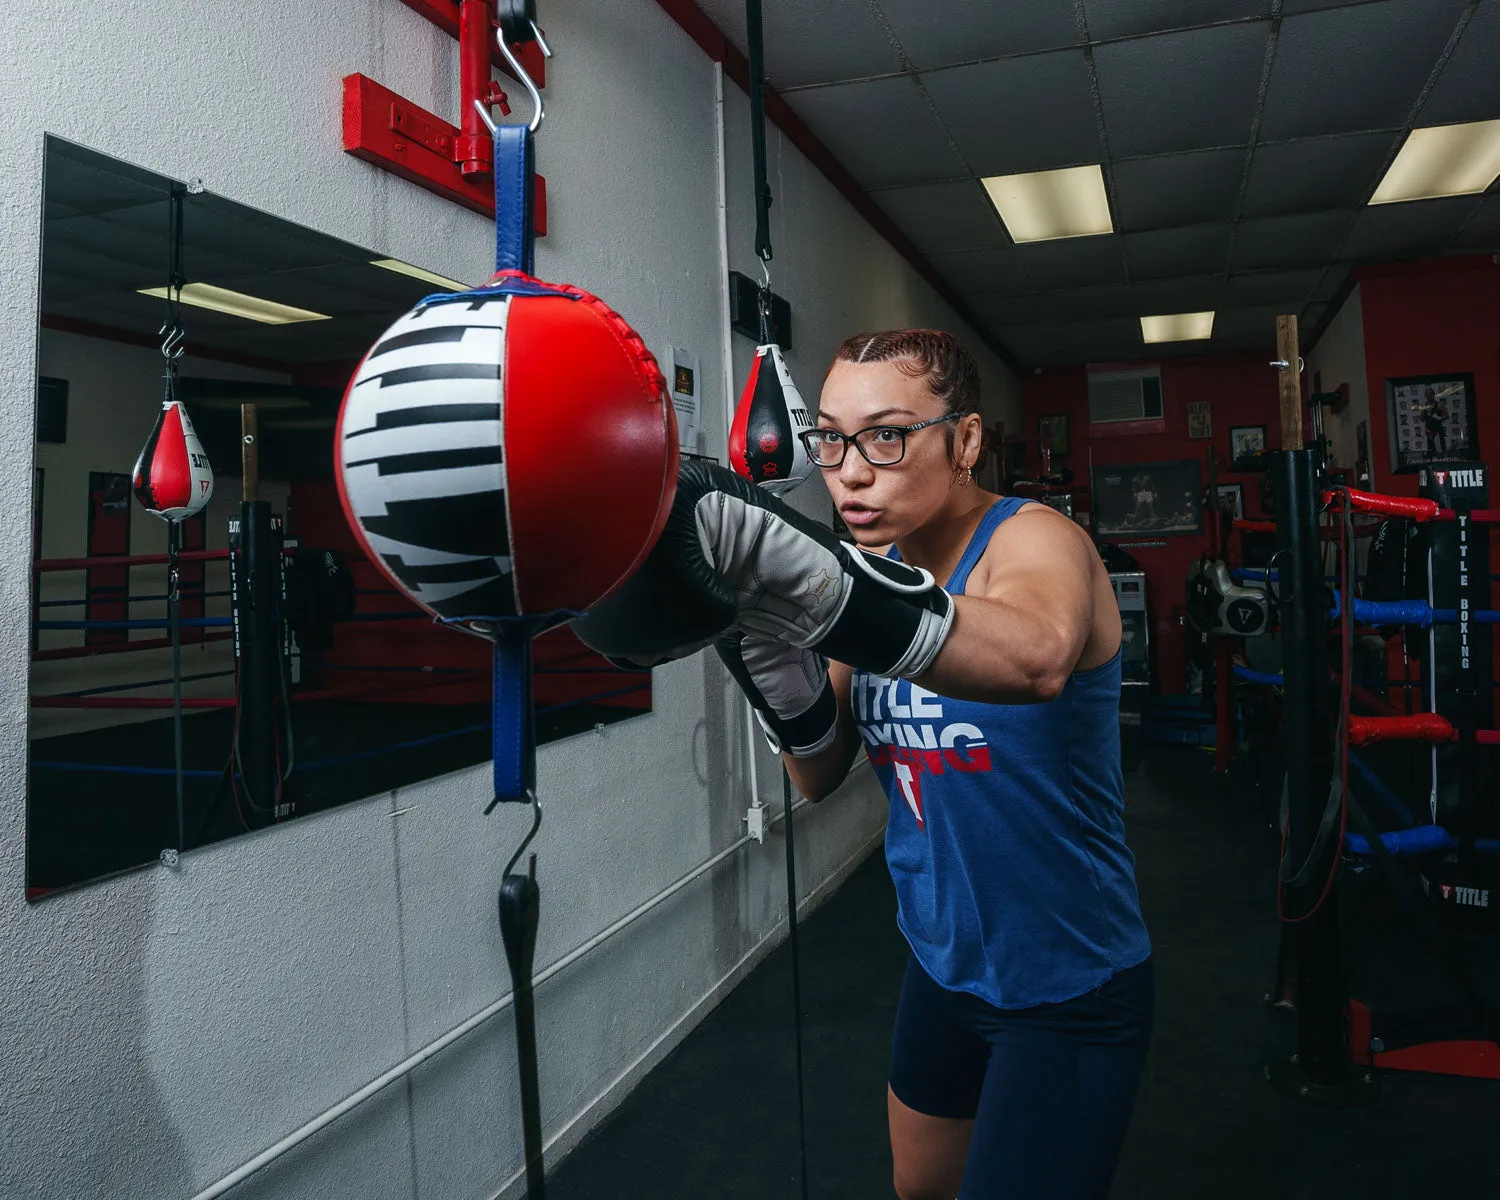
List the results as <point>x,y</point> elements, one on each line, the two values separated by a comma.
<point>1426,318</point>
<point>1241,391</point>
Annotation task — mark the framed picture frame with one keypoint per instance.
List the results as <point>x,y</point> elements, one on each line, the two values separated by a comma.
<point>1057,425</point>
<point>1200,421</point>
<point>1230,498</point>
<point>1246,441</point>
<point>1148,499</point>
<point>1431,419</point>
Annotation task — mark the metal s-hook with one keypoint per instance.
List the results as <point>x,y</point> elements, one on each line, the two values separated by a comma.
<point>540,110</point>
<point>536,824</point>
<point>173,335</point>
<point>484,115</point>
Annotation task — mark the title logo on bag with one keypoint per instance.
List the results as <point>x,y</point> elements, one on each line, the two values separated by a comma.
<point>1472,477</point>
<point>1471,896</point>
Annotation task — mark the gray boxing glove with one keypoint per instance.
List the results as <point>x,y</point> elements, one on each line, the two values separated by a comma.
<point>788,688</point>
<point>732,557</point>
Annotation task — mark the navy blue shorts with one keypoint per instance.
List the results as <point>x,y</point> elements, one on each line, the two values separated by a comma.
<point>1049,1089</point>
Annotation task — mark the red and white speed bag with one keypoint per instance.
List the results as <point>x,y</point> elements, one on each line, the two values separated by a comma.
<point>764,446</point>
<point>507,452</point>
<point>172,477</point>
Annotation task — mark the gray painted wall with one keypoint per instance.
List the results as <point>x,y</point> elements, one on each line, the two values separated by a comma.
<point>161,1028</point>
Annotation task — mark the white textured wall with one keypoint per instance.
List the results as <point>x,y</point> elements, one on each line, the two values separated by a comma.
<point>1339,357</point>
<point>161,1028</point>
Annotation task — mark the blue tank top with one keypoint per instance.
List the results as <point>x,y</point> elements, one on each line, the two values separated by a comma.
<point>1006,838</point>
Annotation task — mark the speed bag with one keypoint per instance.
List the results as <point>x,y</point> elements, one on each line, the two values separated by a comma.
<point>172,477</point>
<point>507,453</point>
<point>765,445</point>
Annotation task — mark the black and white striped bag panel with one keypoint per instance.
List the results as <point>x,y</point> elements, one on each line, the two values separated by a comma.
<point>421,457</point>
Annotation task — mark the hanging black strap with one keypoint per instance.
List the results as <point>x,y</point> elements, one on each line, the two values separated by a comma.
<point>171,349</point>
<point>756,37</point>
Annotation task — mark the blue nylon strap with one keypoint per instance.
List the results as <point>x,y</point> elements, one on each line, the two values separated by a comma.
<point>512,732</point>
<point>515,220</point>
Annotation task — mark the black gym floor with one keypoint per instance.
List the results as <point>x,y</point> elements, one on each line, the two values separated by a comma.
<point>718,1117</point>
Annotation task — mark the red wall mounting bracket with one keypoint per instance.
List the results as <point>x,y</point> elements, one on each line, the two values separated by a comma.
<point>388,131</point>
<point>382,128</point>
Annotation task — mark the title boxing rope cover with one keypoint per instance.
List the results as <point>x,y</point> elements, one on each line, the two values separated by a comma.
<point>172,477</point>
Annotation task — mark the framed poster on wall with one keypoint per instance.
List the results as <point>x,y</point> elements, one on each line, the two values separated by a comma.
<point>1132,499</point>
<point>1430,418</point>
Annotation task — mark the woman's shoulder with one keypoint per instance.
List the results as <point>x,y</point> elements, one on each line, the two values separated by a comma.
<point>1030,519</point>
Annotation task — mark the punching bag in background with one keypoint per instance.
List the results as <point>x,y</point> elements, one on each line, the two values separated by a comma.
<point>172,477</point>
<point>508,452</point>
<point>764,446</point>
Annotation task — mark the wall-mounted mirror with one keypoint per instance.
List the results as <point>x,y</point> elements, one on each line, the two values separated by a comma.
<point>358,691</point>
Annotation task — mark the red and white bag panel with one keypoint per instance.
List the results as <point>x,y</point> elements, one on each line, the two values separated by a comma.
<point>764,446</point>
<point>172,478</point>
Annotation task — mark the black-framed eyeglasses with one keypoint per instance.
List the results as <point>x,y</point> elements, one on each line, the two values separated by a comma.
<point>880,445</point>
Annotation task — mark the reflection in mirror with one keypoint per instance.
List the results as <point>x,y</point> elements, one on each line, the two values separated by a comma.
<point>306,679</point>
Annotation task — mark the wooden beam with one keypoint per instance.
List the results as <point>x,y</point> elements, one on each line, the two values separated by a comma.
<point>1289,376</point>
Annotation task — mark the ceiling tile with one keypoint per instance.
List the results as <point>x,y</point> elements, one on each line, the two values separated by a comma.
<point>973,29</point>
<point>1272,287</point>
<point>1066,304</point>
<point>1181,91</point>
<point>799,48</point>
<point>1074,262</point>
<point>1038,345</point>
<point>1020,114</point>
<point>1246,329</point>
<point>1189,294</point>
<point>1008,310</point>
<point>1075,342</point>
<point>1178,189</point>
<point>1315,173</point>
<point>1305,240</point>
<point>1412,230</point>
<point>943,216</point>
<point>911,147</point>
<point>1191,250</point>
<point>1125,18</point>
<point>993,271</point>
<point>1466,90</point>
<point>1354,68</point>
<point>1483,230</point>
<point>1300,6</point>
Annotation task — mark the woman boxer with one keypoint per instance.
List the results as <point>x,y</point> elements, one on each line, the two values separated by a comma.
<point>1026,1011</point>
<point>989,709</point>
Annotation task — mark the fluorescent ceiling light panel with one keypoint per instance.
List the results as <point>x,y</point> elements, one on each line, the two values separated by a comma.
<point>1443,160</point>
<point>1040,206</point>
<point>238,304</point>
<point>402,268</point>
<point>1178,327</point>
